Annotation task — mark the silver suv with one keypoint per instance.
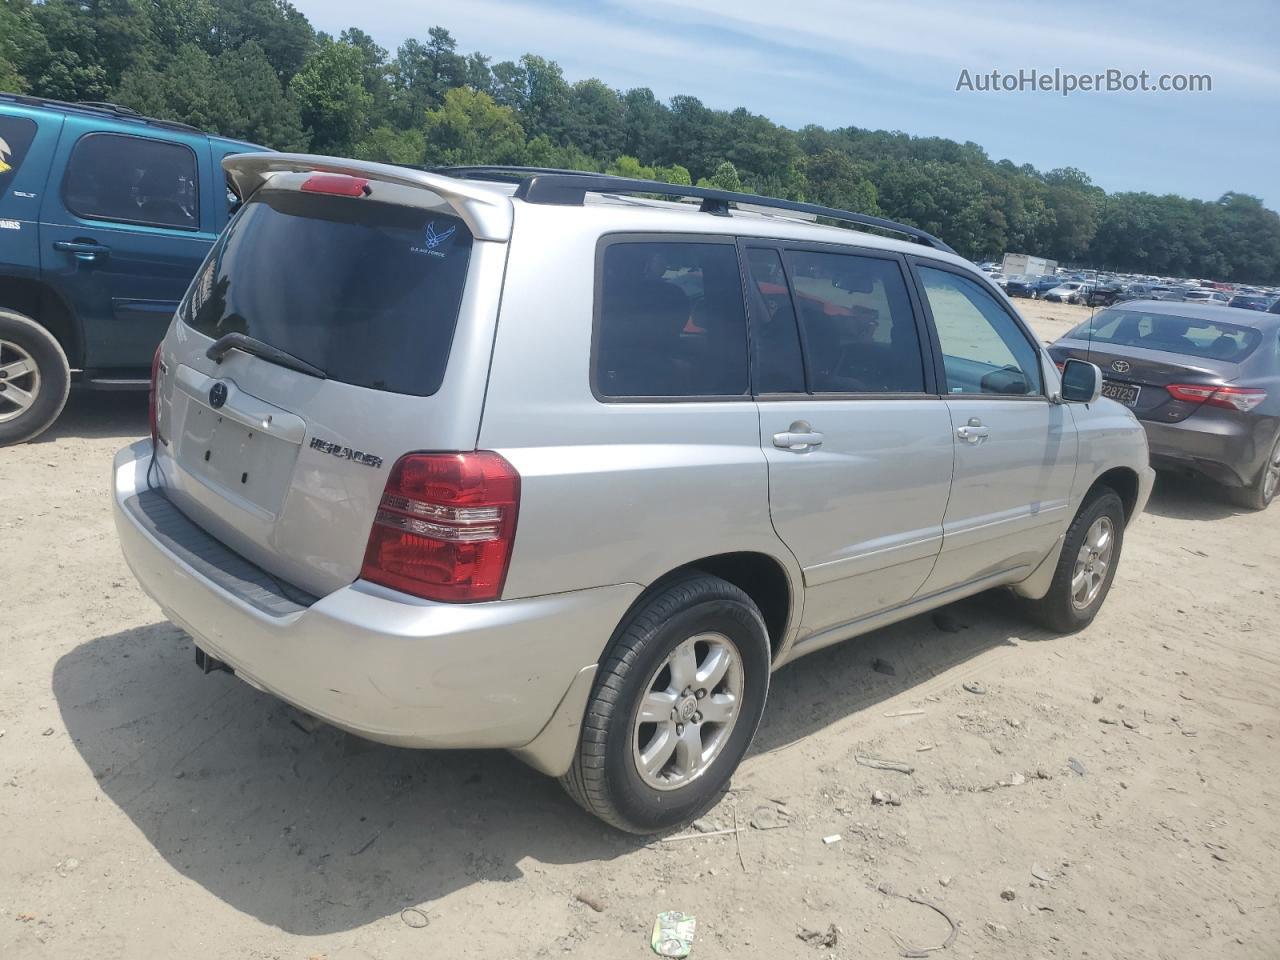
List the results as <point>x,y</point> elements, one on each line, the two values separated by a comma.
<point>534,460</point>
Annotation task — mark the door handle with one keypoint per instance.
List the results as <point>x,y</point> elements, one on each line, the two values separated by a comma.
<point>798,437</point>
<point>973,431</point>
<point>85,250</point>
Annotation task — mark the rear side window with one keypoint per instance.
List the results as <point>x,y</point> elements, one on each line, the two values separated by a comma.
<point>368,292</point>
<point>1194,337</point>
<point>859,330</point>
<point>16,134</point>
<point>671,321</point>
<point>132,180</point>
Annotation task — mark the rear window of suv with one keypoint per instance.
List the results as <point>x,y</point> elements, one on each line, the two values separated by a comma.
<point>368,292</point>
<point>1190,336</point>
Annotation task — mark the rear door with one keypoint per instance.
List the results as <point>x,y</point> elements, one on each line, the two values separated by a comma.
<point>1015,451</point>
<point>377,287</point>
<point>123,232</point>
<point>857,440</point>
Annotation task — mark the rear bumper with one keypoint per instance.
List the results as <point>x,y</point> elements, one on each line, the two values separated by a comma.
<point>371,661</point>
<point>1228,448</point>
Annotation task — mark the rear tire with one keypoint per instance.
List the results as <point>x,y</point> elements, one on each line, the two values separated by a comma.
<point>1079,587</point>
<point>34,378</point>
<point>698,646</point>
<point>1259,494</point>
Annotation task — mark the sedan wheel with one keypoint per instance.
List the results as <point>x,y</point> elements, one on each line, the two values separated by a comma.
<point>1259,494</point>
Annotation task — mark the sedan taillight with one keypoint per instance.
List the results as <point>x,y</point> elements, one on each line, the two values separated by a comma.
<point>1242,399</point>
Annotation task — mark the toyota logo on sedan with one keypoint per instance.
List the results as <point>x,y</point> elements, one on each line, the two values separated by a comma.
<point>1120,366</point>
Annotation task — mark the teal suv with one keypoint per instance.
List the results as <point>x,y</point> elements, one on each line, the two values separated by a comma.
<point>105,215</point>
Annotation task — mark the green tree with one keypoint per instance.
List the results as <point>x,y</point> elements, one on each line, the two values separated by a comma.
<point>386,144</point>
<point>331,96</point>
<point>469,127</point>
<point>277,26</point>
<point>834,180</point>
<point>725,178</point>
<point>593,119</point>
<point>186,87</point>
<point>259,110</point>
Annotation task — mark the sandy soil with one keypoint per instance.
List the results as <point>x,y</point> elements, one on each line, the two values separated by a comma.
<point>1111,794</point>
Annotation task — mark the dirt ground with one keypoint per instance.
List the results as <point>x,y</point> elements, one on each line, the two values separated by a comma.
<point>1111,794</point>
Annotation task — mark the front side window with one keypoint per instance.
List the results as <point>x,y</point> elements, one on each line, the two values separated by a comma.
<point>16,134</point>
<point>859,329</point>
<point>671,321</point>
<point>984,351</point>
<point>132,180</point>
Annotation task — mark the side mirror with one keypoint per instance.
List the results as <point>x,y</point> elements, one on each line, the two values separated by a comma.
<point>1081,382</point>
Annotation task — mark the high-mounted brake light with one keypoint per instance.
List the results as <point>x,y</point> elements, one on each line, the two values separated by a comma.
<point>445,527</point>
<point>1242,399</point>
<point>337,184</point>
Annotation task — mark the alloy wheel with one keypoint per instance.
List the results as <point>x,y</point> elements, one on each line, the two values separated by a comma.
<point>1092,563</point>
<point>19,381</point>
<point>688,711</point>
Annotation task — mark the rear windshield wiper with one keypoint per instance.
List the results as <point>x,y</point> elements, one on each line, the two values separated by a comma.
<point>247,344</point>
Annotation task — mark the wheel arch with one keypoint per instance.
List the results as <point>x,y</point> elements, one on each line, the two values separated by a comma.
<point>39,302</point>
<point>762,577</point>
<point>1124,481</point>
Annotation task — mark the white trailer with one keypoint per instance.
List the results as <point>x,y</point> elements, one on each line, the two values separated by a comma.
<point>1025,264</point>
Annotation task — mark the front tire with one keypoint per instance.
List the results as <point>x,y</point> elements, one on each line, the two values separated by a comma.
<point>34,378</point>
<point>676,703</point>
<point>1086,566</point>
<point>1259,494</point>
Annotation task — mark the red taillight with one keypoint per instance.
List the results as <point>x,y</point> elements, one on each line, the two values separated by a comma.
<point>153,399</point>
<point>338,184</point>
<point>445,526</point>
<point>1242,399</point>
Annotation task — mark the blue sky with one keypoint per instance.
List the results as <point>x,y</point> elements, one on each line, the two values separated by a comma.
<point>894,64</point>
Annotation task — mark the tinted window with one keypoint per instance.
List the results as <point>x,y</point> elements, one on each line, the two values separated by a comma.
<point>778,366</point>
<point>16,134</point>
<point>1192,336</point>
<point>672,322</point>
<point>368,292</point>
<point>858,328</point>
<point>133,180</point>
<point>983,349</point>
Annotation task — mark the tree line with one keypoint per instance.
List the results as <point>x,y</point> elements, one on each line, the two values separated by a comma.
<point>257,70</point>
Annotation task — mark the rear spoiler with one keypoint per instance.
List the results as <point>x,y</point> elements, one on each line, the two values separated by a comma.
<point>486,212</point>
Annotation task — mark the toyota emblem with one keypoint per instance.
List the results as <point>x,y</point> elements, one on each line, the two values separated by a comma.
<point>217,395</point>
<point>1120,366</point>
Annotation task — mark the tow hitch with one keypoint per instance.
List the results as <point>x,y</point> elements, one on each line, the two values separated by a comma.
<point>209,664</point>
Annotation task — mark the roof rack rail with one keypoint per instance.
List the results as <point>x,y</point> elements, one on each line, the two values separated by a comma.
<point>98,106</point>
<point>570,187</point>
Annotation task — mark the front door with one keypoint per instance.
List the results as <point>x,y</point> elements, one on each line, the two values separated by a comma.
<point>1015,450</point>
<point>857,440</point>
<point>122,237</point>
